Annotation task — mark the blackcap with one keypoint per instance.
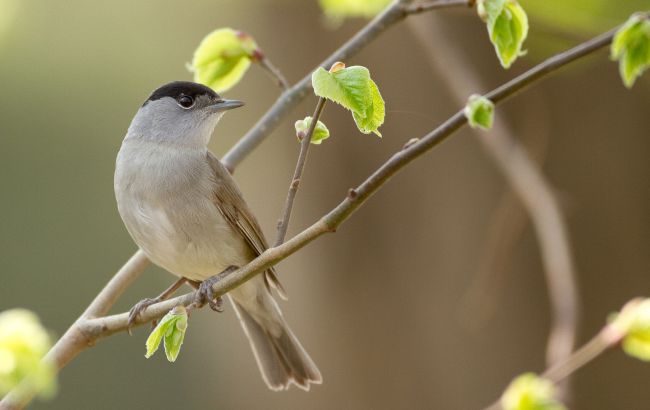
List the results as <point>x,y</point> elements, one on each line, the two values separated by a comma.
<point>185,211</point>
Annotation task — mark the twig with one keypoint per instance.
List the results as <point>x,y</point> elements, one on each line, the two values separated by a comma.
<point>95,329</point>
<point>436,4</point>
<point>606,339</point>
<point>283,223</point>
<point>273,71</point>
<point>293,96</point>
<point>533,190</point>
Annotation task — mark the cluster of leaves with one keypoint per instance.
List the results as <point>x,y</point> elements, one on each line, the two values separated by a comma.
<point>633,322</point>
<point>23,344</point>
<point>340,9</point>
<point>352,88</point>
<point>631,47</point>
<point>507,25</point>
<point>223,57</point>
<point>530,392</point>
<point>479,112</point>
<point>171,329</point>
<point>320,133</point>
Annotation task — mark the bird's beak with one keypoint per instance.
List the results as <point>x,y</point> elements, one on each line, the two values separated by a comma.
<point>224,105</point>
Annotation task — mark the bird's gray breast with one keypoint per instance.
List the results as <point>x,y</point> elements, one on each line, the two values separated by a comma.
<point>165,195</point>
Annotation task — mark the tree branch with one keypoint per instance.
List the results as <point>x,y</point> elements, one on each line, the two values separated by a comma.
<point>273,71</point>
<point>283,223</point>
<point>436,4</point>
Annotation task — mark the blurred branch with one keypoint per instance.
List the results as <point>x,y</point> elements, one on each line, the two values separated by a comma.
<point>436,4</point>
<point>283,223</point>
<point>86,332</point>
<point>606,339</point>
<point>507,223</point>
<point>531,187</point>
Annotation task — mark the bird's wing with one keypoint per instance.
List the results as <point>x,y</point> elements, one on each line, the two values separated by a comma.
<point>230,202</point>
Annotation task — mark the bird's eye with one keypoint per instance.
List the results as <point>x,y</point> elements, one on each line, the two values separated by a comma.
<point>186,101</point>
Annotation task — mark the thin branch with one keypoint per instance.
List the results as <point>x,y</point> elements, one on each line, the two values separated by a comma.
<point>436,4</point>
<point>283,223</point>
<point>292,97</point>
<point>606,339</point>
<point>95,329</point>
<point>533,190</point>
<point>273,71</point>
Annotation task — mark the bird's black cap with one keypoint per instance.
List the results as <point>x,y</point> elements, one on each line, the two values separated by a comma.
<point>176,89</point>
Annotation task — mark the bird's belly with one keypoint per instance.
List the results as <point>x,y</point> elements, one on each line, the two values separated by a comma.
<point>195,242</point>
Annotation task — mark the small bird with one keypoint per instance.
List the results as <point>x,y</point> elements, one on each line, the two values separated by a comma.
<point>184,210</point>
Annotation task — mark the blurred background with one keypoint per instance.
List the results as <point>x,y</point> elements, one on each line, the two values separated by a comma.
<point>381,305</point>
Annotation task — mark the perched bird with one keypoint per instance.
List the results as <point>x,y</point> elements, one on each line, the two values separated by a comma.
<point>184,210</point>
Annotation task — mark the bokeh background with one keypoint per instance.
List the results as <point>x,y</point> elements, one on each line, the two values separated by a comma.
<point>381,305</point>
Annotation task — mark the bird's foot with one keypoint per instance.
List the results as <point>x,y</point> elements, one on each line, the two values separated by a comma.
<point>138,308</point>
<point>205,294</point>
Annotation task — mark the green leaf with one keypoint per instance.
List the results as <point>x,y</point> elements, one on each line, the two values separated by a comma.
<point>340,9</point>
<point>507,25</point>
<point>631,47</point>
<point>530,392</point>
<point>222,58</point>
<point>479,112</point>
<point>171,329</point>
<point>23,344</point>
<point>352,88</point>
<point>374,114</point>
<point>633,322</point>
<point>320,131</point>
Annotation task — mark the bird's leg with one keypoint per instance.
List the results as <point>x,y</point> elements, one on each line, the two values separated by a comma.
<point>142,305</point>
<point>205,294</point>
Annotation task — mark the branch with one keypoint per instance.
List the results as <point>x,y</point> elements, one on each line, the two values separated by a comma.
<point>533,190</point>
<point>606,339</point>
<point>283,223</point>
<point>273,71</point>
<point>436,4</point>
<point>91,330</point>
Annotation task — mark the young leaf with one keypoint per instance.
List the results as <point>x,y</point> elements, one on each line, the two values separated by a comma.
<point>23,344</point>
<point>222,58</point>
<point>631,47</point>
<point>479,112</point>
<point>374,114</point>
<point>171,329</point>
<point>339,9</point>
<point>634,323</point>
<point>530,392</point>
<point>320,131</point>
<point>507,25</point>
<point>352,88</point>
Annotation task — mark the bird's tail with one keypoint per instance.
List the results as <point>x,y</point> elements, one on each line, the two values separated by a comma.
<point>280,356</point>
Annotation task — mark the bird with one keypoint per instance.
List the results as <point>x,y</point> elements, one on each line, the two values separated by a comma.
<point>184,210</point>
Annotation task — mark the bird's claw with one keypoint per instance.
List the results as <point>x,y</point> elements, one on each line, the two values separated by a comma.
<point>137,310</point>
<point>205,294</point>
